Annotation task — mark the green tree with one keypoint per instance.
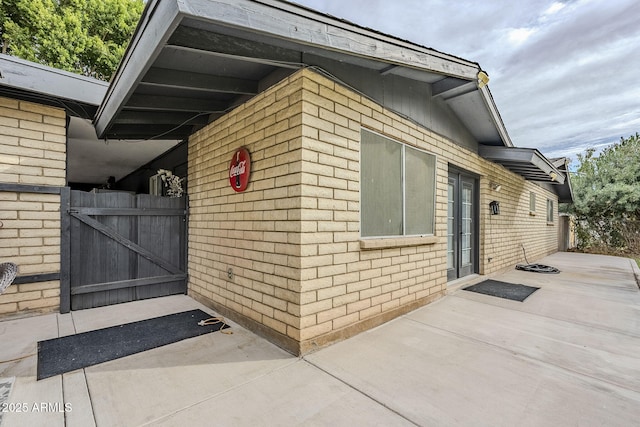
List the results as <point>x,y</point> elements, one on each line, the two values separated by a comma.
<point>83,36</point>
<point>607,196</point>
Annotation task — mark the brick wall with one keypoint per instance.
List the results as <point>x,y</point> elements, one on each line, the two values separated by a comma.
<point>503,236</point>
<point>255,233</point>
<point>293,239</point>
<point>349,289</point>
<point>32,152</point>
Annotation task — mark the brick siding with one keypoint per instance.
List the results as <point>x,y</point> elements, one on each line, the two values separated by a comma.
<point>293,238</point>
<point>32,152</point>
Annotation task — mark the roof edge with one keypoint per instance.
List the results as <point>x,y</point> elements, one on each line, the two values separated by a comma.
<point>530,156</point>
<point>159,17</point>
<point>555,170</point>
<point>33,77</point>
<point>306,26</point>
<point>495,116</point>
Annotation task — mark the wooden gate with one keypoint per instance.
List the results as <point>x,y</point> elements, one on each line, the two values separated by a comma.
<point>118,247</point>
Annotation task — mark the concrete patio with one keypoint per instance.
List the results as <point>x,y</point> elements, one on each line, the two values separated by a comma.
<point>568,355</point>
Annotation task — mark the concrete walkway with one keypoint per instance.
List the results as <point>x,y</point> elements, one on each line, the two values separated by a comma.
<point>568,355</point>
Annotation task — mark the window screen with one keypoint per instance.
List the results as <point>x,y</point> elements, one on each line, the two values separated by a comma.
<point>532,202</point>
<point>397,188</point>
<point>419,191</point>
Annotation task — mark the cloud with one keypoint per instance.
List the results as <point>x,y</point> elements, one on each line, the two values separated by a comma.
<point>563,73</point>
<point>518,36</point>
<point>577,76</point>
<point>553,9</point>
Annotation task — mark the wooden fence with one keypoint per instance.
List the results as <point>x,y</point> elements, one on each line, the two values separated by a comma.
<point>118,247</point>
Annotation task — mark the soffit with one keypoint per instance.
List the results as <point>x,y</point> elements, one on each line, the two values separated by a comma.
<point>191,61</point>
<point>526,162</point>
<point>533,166</point>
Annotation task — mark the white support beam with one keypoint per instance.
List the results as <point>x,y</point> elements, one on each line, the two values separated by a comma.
<point>451,87</point>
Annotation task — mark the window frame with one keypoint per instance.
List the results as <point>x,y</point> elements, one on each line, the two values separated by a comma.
<point>401,239</point>
<point>550,212</point>
<point>532,203</point>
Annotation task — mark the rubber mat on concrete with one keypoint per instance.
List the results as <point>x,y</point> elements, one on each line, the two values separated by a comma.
<point>59,355</point>
<point>505,290</point>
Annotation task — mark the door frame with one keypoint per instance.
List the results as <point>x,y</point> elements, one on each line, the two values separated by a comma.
<point>461,175</point>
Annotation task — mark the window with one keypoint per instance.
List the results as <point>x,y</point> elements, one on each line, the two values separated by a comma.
<point>532,202</point>
<point>549,211</point>
<point>397,188</point>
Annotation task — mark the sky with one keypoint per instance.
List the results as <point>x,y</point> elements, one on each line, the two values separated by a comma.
<point>565,75</point>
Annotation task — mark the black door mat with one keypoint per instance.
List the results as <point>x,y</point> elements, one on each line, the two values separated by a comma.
<point>59,355</point>
<point>505,290</point>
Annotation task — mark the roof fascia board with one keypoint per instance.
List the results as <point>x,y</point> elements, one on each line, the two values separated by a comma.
<point>37,78</point>
<point>560,163</point>
<point>158,22</point>
<point>301,25</point>
<point>563,166</point>
<point>495,116</point>
<point>522,155</point>
<point>290,21</point>
<point>507,154</point>
<point>567,182</point>
<point>545,165</point>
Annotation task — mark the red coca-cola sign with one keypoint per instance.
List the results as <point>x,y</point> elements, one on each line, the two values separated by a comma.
<point>239,170</point>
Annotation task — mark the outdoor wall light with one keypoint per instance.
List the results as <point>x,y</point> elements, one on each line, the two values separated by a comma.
<point>496,187</point>
<point>553,176</point>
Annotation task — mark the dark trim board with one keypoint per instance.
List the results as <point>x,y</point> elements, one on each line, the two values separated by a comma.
<point>121,284</point>
<point>25,188</point>
<point>36,278</point>
<point>127,211</point>
<point>65,250</point>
